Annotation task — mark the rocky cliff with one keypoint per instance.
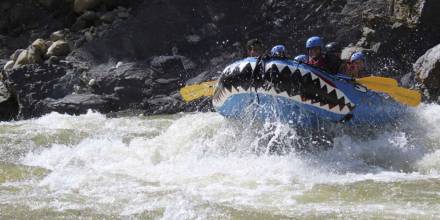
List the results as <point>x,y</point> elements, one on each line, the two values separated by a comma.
<point>133,56</point>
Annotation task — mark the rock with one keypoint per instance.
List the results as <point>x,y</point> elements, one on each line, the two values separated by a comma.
<point>427,72</point>
<point>59,48</point>
<point>9,65</point>
<point>32,84</point>
<point>123,14</point>
<point>88,36</point>
<point>193,38</point>
<point>85,20</point>
<point>58,35</point>
<point>39,46</point>
<point>80,6</point>
<point>368,33</point>
<point>53,60</point>
<point>92,82</point>
<point>79,104</point>
<point>78,43</point>
<point>80,24</point>
<point>89,16</point>
<point>4,92</point>
<point>8,109</point>
<point>119,64</point>
<point>29,56</point>
<point>108,17</point>
<point>14,56</point>
<point>47,3</point>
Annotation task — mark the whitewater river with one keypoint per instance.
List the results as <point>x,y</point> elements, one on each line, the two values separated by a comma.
<point>202,166</point>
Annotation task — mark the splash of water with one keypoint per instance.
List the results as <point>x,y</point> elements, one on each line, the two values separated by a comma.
<point>202,166</point>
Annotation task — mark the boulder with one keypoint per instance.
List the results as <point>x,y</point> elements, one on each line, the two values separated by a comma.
<point>14,56</point>
<point>39,46</point>
<point>427,71</point>
<point>4,92</point>
<point>59,48</point>
<point>8,109</point>
<point>58,35</point>
<point>108,17</point>
<point>80,6</point>
<point>79,104</point>
<point>29,56</point>
<point>85,20</point>
<point>47,3</point>
<point>9,65</point>
<point>89,16</point>
<point>32,84</point>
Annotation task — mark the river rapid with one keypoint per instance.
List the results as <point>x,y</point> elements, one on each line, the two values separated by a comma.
<point>203,166</point>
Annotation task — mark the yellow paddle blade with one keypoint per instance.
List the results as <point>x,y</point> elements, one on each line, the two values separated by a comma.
<point>406,96</point>
<point>377,81</point>
<point>391,87</point>
<point>196,91</point>
<point>402,95</point>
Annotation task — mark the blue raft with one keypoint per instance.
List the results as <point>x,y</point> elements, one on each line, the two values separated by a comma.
<point>299,94</point>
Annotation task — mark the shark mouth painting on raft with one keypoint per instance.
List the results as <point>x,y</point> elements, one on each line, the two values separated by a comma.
<point>282,80</point>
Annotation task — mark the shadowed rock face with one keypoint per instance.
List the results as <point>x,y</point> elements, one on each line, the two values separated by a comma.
<point>427,73</point>
<point>163,43</point>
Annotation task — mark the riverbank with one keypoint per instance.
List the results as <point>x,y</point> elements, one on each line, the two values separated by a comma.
<point>131,58</point>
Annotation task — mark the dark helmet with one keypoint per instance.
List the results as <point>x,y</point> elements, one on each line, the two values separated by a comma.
<point>333,47</point>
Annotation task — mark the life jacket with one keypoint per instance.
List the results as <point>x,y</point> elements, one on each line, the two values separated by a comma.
<point>321,62</point>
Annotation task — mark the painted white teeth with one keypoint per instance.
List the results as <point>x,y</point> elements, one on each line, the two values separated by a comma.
<point>224,94</point>
<point>339,94</point>
<point>280,66</point>
<point>345,110</point>
<point>268,66</point>
<point>322,83</point>
<point>253,64</point>
<point>242,66</point>
<point>292,69</point>
<point>330,89</point>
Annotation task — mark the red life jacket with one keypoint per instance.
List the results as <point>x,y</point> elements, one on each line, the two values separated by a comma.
<point>321,62</point>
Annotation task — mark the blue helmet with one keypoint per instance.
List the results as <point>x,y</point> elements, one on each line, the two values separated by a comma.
<point>301,58</point>
<point>357,56</point>
<point>314,41</point>
<point>278,50</point>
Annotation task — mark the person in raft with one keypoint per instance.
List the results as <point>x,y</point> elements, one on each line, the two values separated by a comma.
<point>302,58</point>
<point>278,51</point>
<point>254,48</point>
<point>333,57</point>
<point>357,65</point>
<point>314,51</point>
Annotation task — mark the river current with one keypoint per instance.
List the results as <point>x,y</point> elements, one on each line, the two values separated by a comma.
<point>203,166</point>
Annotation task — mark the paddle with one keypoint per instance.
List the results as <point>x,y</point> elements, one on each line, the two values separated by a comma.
<point>402,95</point>
<point>192,92</point>
<point>375,83</point>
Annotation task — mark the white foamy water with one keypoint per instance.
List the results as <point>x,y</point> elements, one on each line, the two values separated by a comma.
<point>202,166</point>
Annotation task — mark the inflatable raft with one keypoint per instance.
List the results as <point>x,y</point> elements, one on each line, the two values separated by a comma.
<point>296,93</point>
